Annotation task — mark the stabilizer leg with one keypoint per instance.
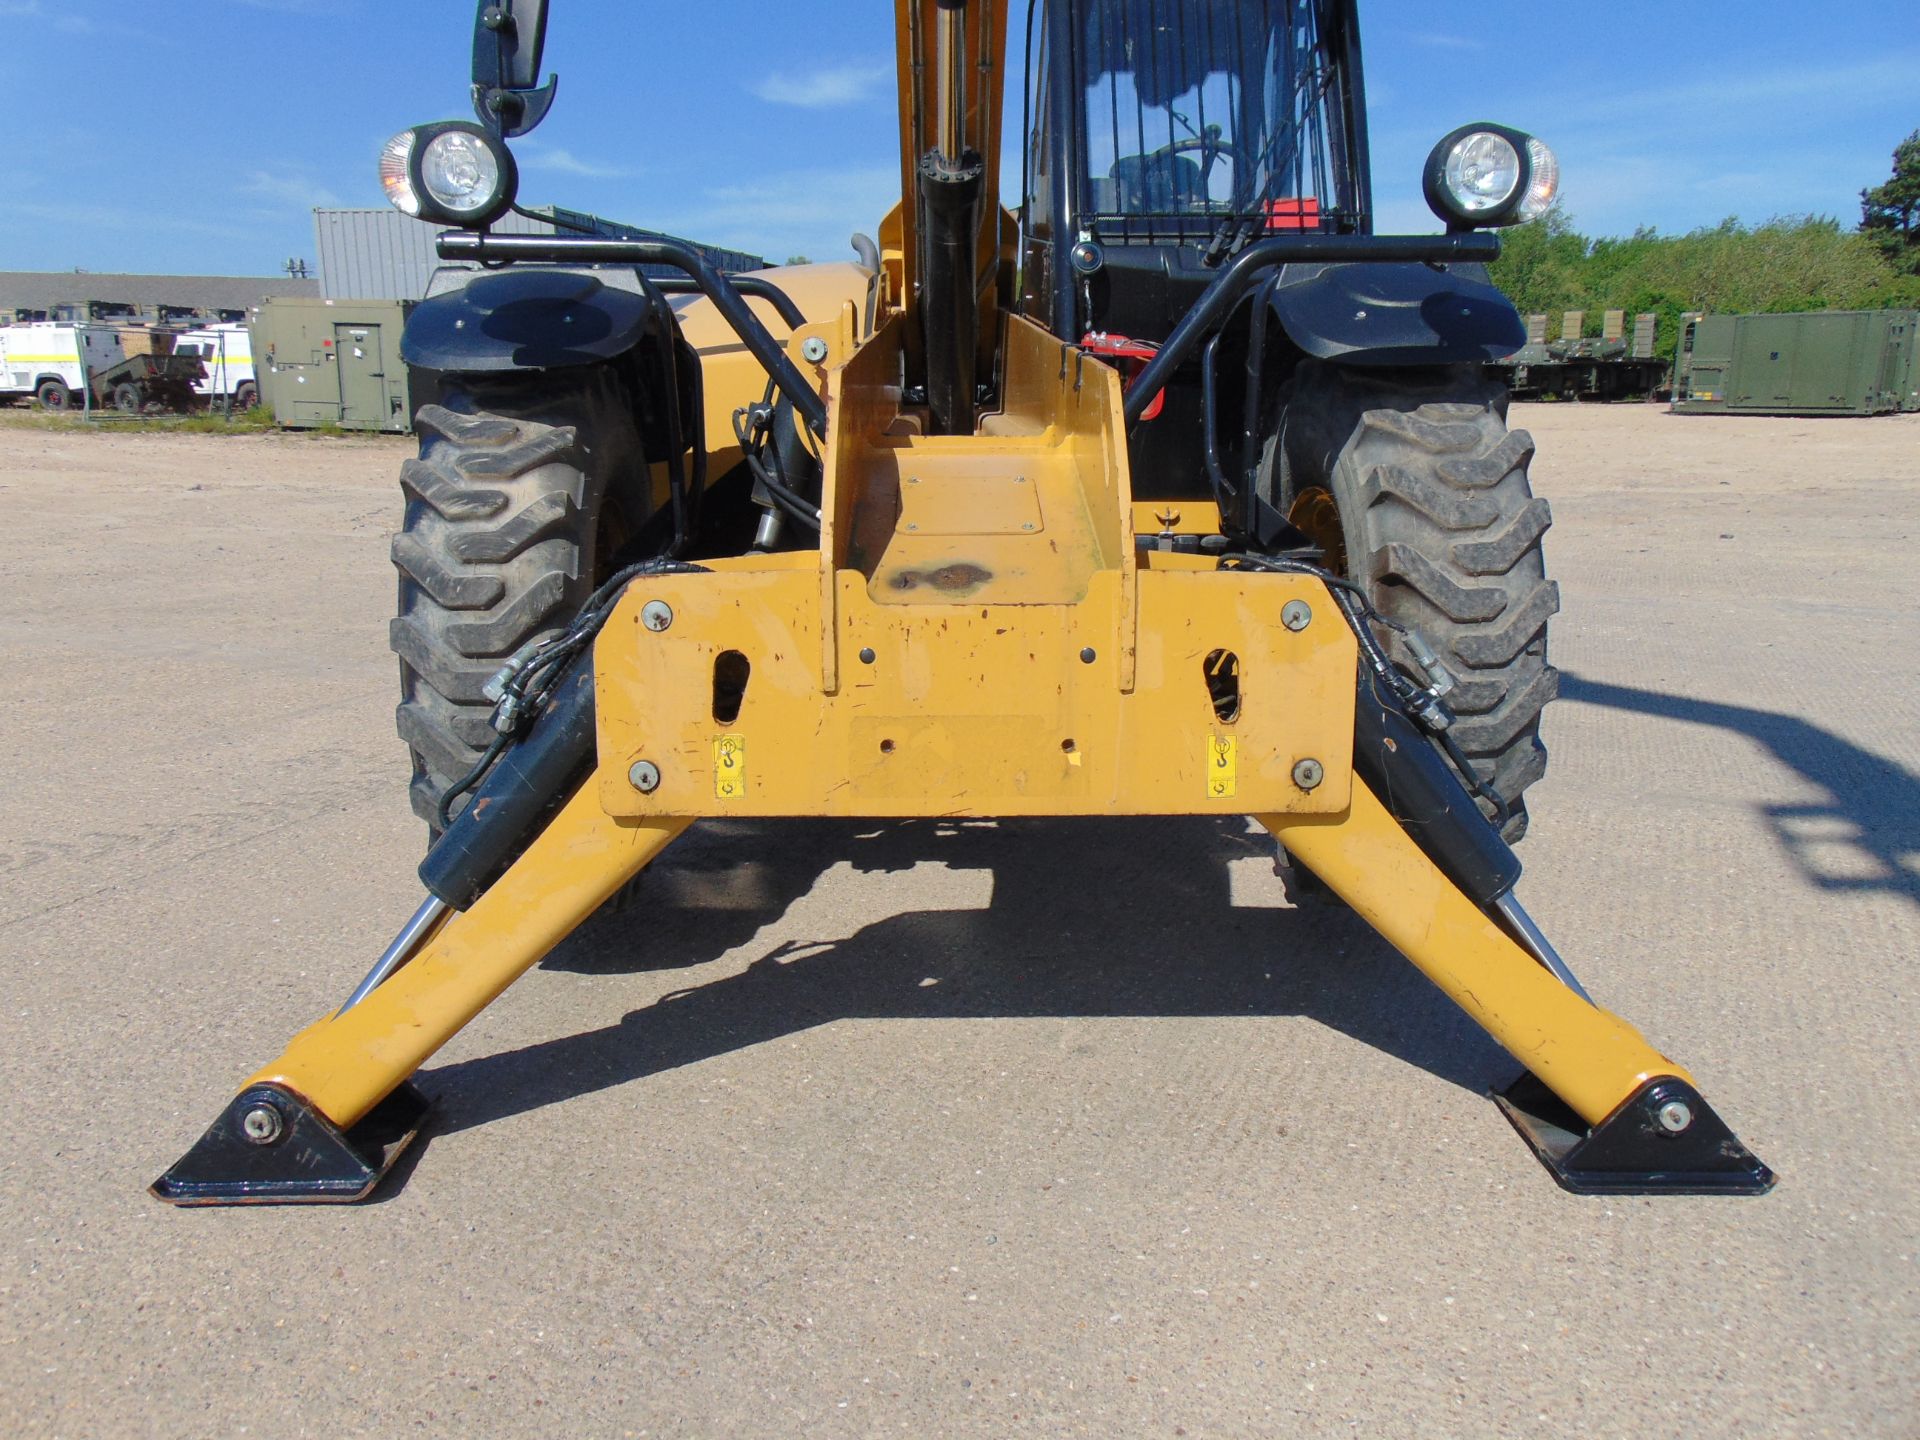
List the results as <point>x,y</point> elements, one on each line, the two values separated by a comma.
<point>1602,1108</point>
<point>311,1126</point>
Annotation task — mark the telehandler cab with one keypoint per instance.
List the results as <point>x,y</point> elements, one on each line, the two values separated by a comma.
<point>1178,492</point>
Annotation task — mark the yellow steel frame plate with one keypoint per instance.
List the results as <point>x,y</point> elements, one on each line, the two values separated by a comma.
<point>974,710</point>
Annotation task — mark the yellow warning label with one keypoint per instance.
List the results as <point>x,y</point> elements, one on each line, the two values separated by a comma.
<point>1221,768</point>
<point>729,767</point>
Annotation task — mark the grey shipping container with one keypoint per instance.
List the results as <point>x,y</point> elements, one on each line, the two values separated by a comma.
<point>333,362</point>
<point>384,255</point>
<point>1839,362</point>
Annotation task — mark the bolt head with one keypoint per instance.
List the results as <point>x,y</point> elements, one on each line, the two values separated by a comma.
<point>1308,774</point>
<point>1675,1116</point>
<point>814,349</point>
<point>1296,615</point>
<point>866,655</point>
<point>262,1124</point>
<point>1087,656</point>
<point>656,615</point>
<point>644,776</point>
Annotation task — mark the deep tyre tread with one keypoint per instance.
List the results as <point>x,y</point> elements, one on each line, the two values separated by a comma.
<point>1441,526</point>
<point>522,486</point>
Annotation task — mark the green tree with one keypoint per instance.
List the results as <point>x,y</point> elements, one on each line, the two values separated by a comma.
<point>798,260</point>
<point>1786,264</point>
<point>1890,213</point>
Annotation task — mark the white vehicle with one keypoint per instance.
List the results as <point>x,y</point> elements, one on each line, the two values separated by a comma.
<point>227,352</point>
<point>52,360</point>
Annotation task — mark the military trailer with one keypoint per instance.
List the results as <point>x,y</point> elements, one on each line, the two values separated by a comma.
<point>1839,362</point>
<point>1580,367</point>
<point>333,362</point>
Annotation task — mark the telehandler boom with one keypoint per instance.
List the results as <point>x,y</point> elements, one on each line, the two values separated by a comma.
<point>1180,492</point>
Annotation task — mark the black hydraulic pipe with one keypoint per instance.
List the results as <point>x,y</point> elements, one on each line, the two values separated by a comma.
<point>1420,789</point>
<point>950,197</point>
<point>1225,492</point>
<point>1219,298</point>
<point>1250,437</point>
<point>527,784</point>
<point>726,297</point>
<point>754,287</point>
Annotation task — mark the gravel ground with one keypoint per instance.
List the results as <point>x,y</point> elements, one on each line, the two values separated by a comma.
<point>1038,1128</point>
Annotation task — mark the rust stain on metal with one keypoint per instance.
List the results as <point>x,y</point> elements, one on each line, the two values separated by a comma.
<point>957,578</point>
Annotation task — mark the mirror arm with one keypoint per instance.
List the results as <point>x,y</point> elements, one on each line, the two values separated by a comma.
<point>508,37</point>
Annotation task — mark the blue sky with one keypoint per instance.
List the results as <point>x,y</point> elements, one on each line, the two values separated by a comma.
<point>195,135</point>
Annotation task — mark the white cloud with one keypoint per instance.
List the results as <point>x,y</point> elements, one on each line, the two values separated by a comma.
<point>1737,99</point>
<point>297,191</point>
<point>64,21</point>
<point>530,155</point>
<point>104,217</point>
<point>809,213</point>
<point>827,88</point>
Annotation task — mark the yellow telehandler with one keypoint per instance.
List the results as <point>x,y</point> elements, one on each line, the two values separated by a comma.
<point>1177,492</point>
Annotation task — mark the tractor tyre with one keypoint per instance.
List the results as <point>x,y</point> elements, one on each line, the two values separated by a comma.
<point>1417,491</point>
<point>128,398</point>
<point>525,488</point>
<point>54,395</point>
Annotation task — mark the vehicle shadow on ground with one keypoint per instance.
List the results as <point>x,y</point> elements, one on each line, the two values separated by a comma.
<point>1870,822</point>
<point>1088,918</point>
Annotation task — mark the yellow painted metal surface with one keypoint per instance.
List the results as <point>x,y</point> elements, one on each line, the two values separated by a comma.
<point>975,635</point>
<point>1589,1057</point>
<point>828,295</point>
<point>346,1064</point>
<point>974,709</point>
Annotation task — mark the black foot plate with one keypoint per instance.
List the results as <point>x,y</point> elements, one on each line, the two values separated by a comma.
<point>1637,1150</point>
<point>270,1147</point>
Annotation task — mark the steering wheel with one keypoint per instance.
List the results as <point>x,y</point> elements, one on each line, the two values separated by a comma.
<point>1210,146</point>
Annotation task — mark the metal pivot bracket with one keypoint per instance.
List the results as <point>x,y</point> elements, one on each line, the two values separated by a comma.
<point>269,1147</point>
<point>1663,1140</point>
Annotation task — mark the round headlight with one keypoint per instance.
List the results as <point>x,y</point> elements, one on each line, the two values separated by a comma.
<point>460,171</point>
<point>1483,172</point>
<point>452,173</point>
<point>1490,175</point>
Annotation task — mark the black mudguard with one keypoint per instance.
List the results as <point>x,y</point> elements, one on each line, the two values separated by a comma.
<point>1391,314</point>
<point>527,318</point>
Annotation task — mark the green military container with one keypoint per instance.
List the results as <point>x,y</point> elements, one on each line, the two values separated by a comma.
<point>1905,368</point>
<point>1836,362</point>
<point>332,362</point>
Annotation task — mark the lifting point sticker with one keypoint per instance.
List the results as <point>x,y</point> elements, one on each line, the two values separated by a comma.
<point>1221,767</point>
<point>729,767</point>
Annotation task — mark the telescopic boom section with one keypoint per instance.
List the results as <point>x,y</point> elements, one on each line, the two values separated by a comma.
<point>951,60</point>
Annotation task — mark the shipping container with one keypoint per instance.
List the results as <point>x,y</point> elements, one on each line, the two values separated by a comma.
<point>333,362</point>
<point>1838,362</point>
<point>384,255</point>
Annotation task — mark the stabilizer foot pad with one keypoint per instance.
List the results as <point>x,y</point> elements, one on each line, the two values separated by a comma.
<point>1632,1151</point>
<point>269,1147</point>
